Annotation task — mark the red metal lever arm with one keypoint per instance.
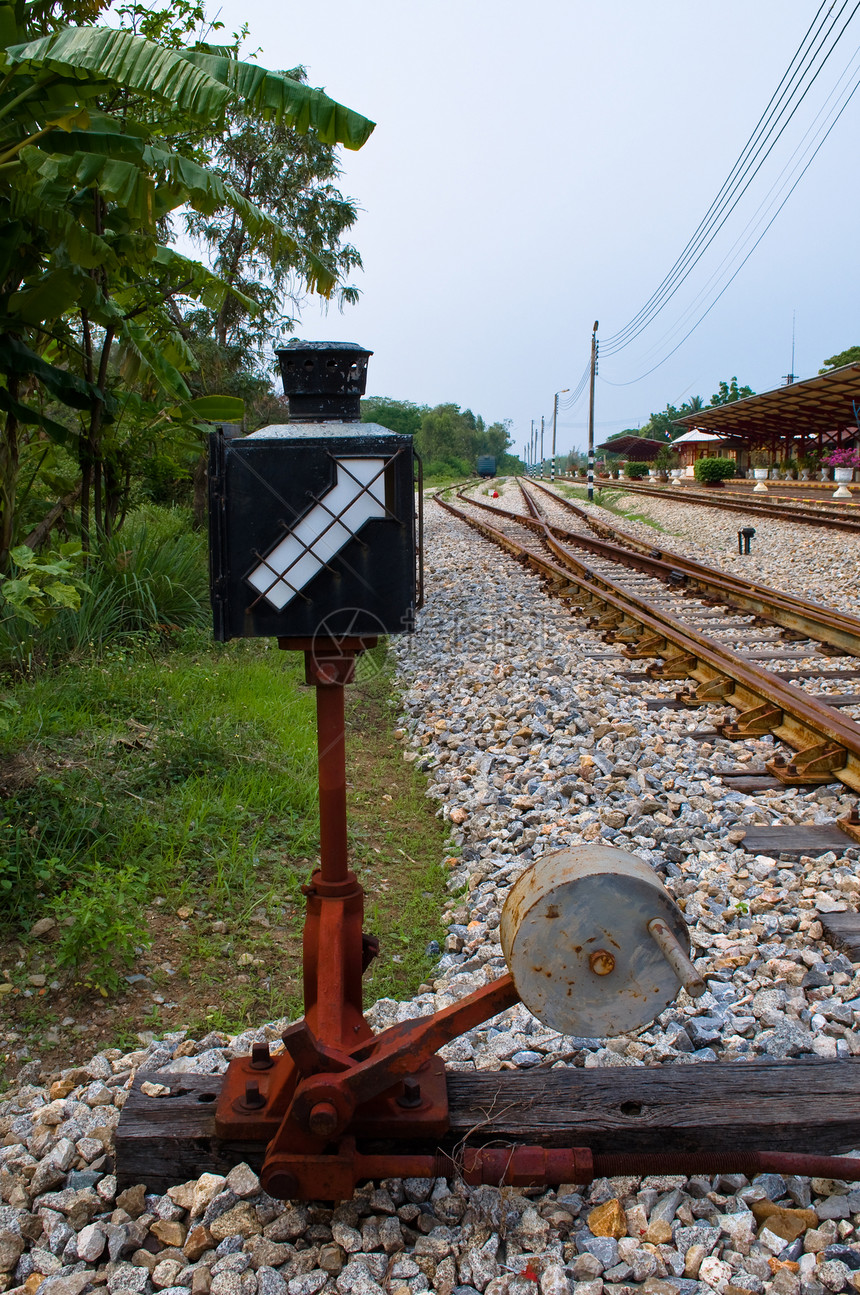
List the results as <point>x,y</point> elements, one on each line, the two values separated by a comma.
<point>378,1063</point>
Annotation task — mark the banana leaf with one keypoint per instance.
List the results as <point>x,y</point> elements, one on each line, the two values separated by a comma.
<point>125,60</point>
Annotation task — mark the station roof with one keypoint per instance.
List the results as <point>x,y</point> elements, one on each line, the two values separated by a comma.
<point>643,448</point>
<point>823,405</point>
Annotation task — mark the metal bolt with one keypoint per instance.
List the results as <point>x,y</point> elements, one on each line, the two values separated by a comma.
<point>779,761</point>
<point>854,814</point>
<point>260,1056</point>
<point>323,1119</point>
<point>282,1185</point>
<point>602,962</point>
<point>254,1099</point>
<point>411,1095</point>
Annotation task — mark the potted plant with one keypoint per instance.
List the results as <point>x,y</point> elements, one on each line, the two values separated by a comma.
<point>809,464</point>
<point>843,462</point>
<point>760,461</point>
<point>712,472</point>
<point>634,470</point>
<point>666,459</point>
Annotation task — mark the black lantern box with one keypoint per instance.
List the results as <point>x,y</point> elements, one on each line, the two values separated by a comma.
<point>312,522</point>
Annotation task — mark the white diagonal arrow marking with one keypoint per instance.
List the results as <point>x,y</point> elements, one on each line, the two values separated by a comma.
<point>313,541</point>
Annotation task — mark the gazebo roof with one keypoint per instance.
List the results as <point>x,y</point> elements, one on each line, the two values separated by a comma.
<point>698,437</point>
<point>643,448</point>
<point>695,437</point>
<point>824,405</point>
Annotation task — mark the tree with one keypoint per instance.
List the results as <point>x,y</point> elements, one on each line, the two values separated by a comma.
<point>730,392</point>
<point>445,436</point>
<point>101,137</point>
<point>851,356</point>
<point>496,439</point>
<point>290,176</point>
<point>397,415</point>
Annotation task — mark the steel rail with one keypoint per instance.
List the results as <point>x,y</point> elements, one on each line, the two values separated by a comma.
<point>757,507</point>
<point>808,619</point>
<point>827,743</point>
<point>812,620</point>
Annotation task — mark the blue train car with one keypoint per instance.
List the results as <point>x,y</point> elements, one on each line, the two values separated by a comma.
<point>486,465</point>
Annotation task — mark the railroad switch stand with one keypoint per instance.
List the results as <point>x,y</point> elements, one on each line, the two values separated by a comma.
<point>336,1081</point>
<point>337,1086</point>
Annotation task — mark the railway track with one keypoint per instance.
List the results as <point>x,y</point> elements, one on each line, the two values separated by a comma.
<point>730,638</point>
<point>796,615</point>
<point>807,513</point>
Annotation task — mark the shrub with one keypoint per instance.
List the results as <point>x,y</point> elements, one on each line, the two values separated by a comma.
<point>38,590</point>
<point>714,469</point>
<point>635,470</point>
<point>100,927</point>
<point>148,581</point>
<point>449,467</point>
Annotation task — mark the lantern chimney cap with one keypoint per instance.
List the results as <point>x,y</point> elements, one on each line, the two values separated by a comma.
<point>323,381</point>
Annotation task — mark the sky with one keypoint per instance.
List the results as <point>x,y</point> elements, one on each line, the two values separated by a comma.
<point>537,167</point>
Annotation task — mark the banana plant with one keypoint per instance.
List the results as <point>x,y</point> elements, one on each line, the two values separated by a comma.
<point>101,139</point>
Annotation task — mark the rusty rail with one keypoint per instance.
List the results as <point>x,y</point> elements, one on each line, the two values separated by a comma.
<point>827,743</point>
<point>716,499</point>
<point>813,620</point>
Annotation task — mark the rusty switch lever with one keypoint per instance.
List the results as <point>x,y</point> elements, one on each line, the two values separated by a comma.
<point>676,957</point>
<point>375,1064</point>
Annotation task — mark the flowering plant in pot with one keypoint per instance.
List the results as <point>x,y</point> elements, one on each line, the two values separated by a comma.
<point>843,458</point>
<point>843,462</point>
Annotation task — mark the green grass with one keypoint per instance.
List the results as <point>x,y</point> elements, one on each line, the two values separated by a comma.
<point>128,775</point>
<point>608,498</point>
<point>163,809</point>
<point>443,480</point>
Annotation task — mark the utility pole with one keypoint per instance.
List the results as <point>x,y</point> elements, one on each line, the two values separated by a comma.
<point>554,420</point>
<point>591,413</point>
<point>792,376</point>
<point>531,448</point>
<point>541,447</point>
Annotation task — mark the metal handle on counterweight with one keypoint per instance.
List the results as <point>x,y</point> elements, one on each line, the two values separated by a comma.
<point>676,957</point>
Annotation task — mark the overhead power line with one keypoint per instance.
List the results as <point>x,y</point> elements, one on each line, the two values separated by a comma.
<point>798,79</point>
<point>829,112</point>
<point>739,267</point>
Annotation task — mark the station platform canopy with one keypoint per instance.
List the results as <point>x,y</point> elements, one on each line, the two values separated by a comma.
<point>635,447</point>
<point>824,408</point>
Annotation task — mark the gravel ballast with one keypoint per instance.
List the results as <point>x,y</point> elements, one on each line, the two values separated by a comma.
<point>530,742</point>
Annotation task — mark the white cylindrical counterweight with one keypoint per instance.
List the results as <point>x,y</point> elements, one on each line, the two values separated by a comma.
<point>594,941</point>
